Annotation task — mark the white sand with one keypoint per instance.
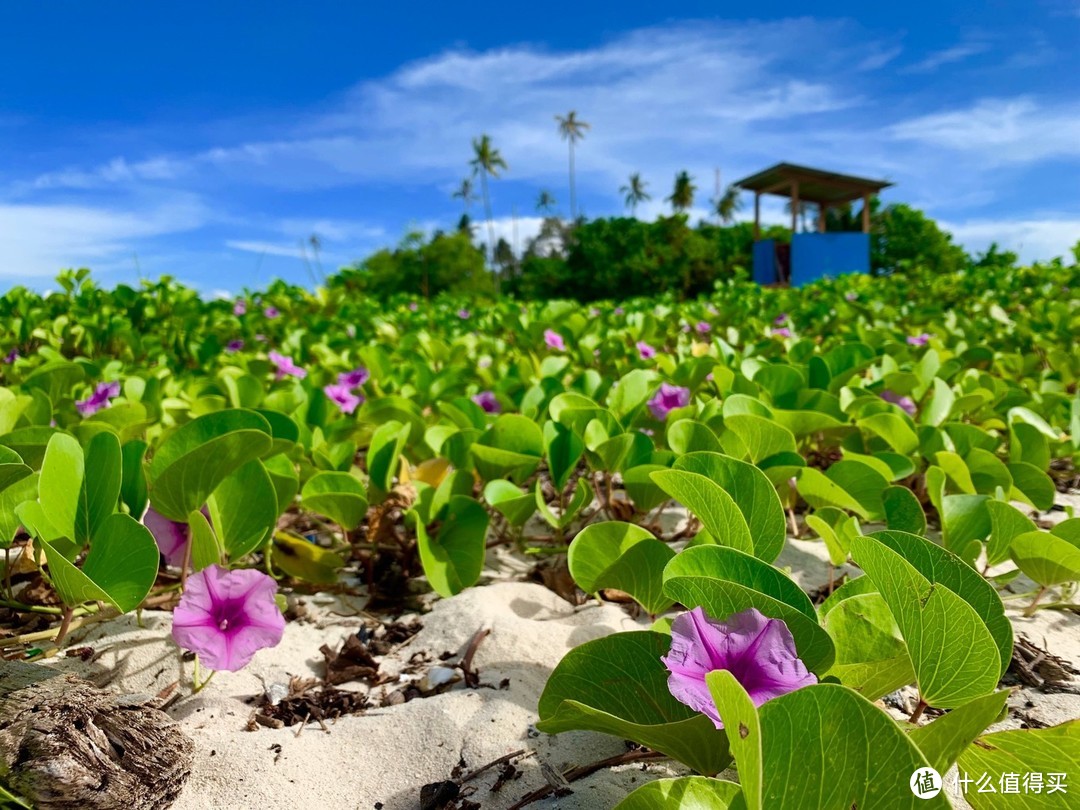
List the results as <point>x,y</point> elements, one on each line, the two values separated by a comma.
<point>387,754</point>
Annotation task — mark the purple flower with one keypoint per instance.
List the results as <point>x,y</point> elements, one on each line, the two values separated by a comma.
<point>487,401</point>
<point>554,340</point>
<point>618,310</point>
<point>463,314</point>
<point>286,366</point>
<point>354,378</point>
<point>271,312</point>
<point>239,308</point>
<point>685,327</point>
<point>261,338</point>
<point>758,651</point>
<point>343,397</point>
<point>171,537</point>
<point>851,296</point>
<point>11,356</point>
<point>703,327</point>
<point>228,616</point>
<point>413,306</point>
<point>907,403</point>
<point>234,346</point>
<point>667,399</point>
<point>783,331</point>
<point>919,340</point>
<point>646,351</point>
<point>780,319</point>
<point>99,399</point>
<point>594,312</point>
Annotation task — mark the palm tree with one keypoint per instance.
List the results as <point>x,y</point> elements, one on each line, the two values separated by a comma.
<point>465,193</point>
<point>572,130</point>
<point>545,202</point>
<point>727,205</point>
<point>682,196</point>
<point>804,209</point>
<point>635,193</point>
<point>487,161</point>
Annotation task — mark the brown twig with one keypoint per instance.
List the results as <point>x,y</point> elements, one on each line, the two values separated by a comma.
<point>582,771</point>
<point>505,758</point>
<point>472,677</point>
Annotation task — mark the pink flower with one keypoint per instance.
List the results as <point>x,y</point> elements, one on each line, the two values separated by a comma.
<point>99,399</point>
<point>906,403</point>
<point>271,312</point>
<point>260,338</point>
<point>783,331</point>
<point>234,346</point>
<point>171,537</point>
<point>851,296</point>
<point>286,366</point>
<point>343,397</point>
<point>11,356</point>
<point>780,319</point>
<point>646,351</point>
<point>464,314</point>
<point>594,312</point>
<point>554,340</point>
<point>228,616</point>
<point>667,399</point>
<point>758,651</point>
<point>685,328</point>
<point>487,401</point>
<point>413,306</point>
<point>703,327</point>
<point>618,310</point>
<point>919,340</point>
<point>239,308</point>
<point>354,378</point>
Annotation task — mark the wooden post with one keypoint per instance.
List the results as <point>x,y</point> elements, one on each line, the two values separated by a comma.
<point>757,215</point>
<point>794,206</point>
<point>822,208</point>
<point>866,213</point>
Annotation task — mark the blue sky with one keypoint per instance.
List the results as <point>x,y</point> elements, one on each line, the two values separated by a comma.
<point>207,140</point>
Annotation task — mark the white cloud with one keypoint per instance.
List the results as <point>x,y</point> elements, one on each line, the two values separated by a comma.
<point>1013,130</point>
<point>947,56</point>
<point>40,240</point>
<point>1032,239</point>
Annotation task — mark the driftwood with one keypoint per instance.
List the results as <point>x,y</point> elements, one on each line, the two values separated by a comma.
<point>64,744</point>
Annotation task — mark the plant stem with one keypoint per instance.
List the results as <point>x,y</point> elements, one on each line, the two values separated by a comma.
<point>919,709</point>
<point>1030,609</point>
<point>196,685</point>
<point>65,625</point>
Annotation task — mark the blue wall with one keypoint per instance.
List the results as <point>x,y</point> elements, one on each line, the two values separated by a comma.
<point>814,255</point>
<point>765,261</point>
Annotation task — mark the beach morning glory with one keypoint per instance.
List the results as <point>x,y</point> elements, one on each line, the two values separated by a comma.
<point>783,331</point>
<point>667,399</point>
<point>11,356</point>
<point>487,401</point>
<point>703,327</point>
<point>234,346</point>
<point>851,296</point>
<point>646,351</point>
<point>354,378</point>
<point>463,314</point>
<point>286,366</point>
<point>227,616</point>
<point>343,397</point>
<point>780,319</point>
<point>171,537</point>
<point>99,399</point>
<point>239,308</point>
<point>919,340</point>
<point>271,312</point>
<point>758,651</point>
<point>554,340</point>
<point>906,403</point>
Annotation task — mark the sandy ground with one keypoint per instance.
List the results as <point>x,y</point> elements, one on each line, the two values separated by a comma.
<point>383,757</point>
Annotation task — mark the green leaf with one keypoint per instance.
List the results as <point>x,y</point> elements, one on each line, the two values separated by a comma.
<point>564,449</point>
<point>937,410</point>
<point>511,448</point>
<point>583,494</point>
<point>1047,559</point>
<point>506,497</point>
<point>383,453</point>
<point>244,509</point>
<point>338,495</point>
<point>1032,485</point>
<point>862,482</point>
<point>743,728</point>
<point>100,491</point>
<point>11,499</point>
<point>761,437</point>
<point>752,492</point>
<point>1006,524</point>
<point>894,429</point>
<point>903,512</point>
<point>618,685</point>
<point>61,482</point>
<point>120,568</point>
<point>1023,751</point>
<point>964,518</point>
<point>631,393</point>
<point>712,505</point>
<point>820,491</point>
<point>931,618</point>
<point>133,491</point>
<point>192,461</point>
<point>205,546</point>
<point>943,740</point>
<point>622,556</point>
<point>682,793</point>
<point>454,557</point>
<point>687,436</point>
<point>643,491</point>
<point>871,656</point>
